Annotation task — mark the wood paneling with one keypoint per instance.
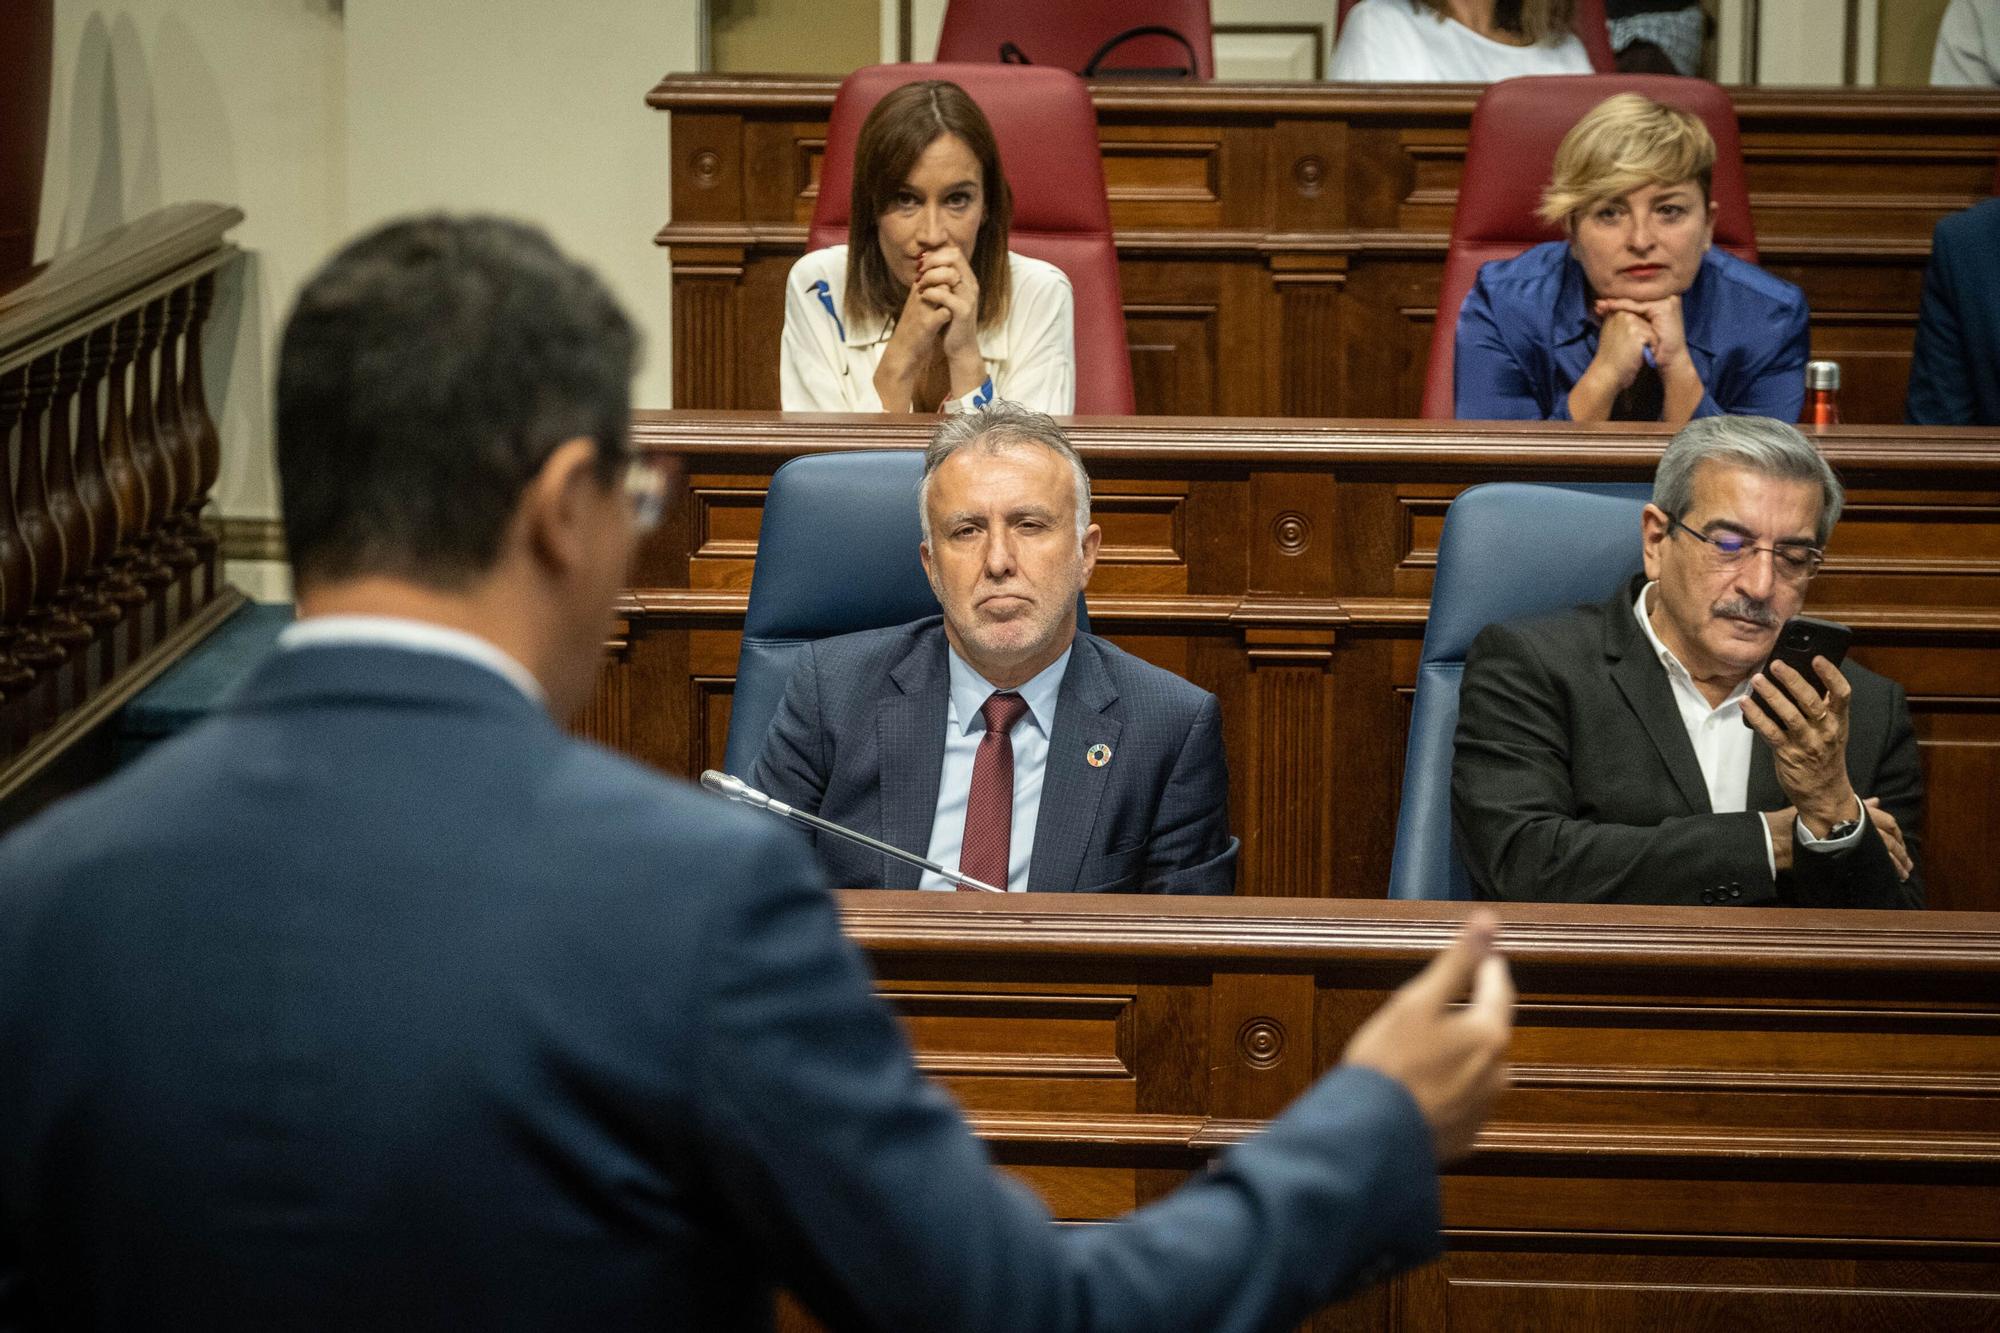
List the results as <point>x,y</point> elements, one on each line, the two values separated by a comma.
<point>1286,567</point>
<point>1279,244</point>
<point>1774,1123</point>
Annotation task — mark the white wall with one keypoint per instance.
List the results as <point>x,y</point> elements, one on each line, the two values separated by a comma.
<point>318,118</point>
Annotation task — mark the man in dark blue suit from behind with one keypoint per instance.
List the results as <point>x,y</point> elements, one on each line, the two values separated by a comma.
<point>380,1002</point>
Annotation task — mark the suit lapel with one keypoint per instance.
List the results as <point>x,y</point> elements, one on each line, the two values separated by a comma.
<point>1072,787</point>
<point>1642,679</point>
<point>910,740</point>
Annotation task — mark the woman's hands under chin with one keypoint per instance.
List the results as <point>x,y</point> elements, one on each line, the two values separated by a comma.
<point>1632,332</point>
<point>946,283</point>
<point>939,317</point>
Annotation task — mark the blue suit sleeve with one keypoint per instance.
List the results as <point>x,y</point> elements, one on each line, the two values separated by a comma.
<point>863,1185</point>
<point>1488,380</point>
<point>791,766</point>
<point>1774,385</point>
<point>1940,381</point>
<point>1189,849</point>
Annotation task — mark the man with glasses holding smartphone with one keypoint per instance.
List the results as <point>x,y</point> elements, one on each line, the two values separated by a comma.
<point>1642,751</point>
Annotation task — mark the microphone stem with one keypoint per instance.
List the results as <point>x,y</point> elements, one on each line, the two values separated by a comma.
<point>828,826</point>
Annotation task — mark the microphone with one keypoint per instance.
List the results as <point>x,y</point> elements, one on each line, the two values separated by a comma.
<point>736,789</point>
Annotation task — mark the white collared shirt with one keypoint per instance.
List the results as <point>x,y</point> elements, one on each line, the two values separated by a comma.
<point>963,727</point>
<point>421,636</point>
<point>826,362</point>
<point>1722,743</point>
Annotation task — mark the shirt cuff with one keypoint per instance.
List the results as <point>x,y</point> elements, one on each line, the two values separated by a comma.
<point>973,401</point>
<point>1770,852</point>
<point>1808,841</point>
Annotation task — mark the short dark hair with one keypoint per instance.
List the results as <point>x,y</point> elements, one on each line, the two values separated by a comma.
<point>426,373</point>
<point>904,123</point>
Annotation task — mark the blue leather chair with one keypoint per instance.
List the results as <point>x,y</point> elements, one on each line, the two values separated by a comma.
<point>1509,550</point>
<point>837,553</point>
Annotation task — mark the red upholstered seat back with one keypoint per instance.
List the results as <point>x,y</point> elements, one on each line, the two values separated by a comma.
<point>1509,155</point>
<point>1047,131</point>
<point>1066,33</point>
<point>1589,23</point>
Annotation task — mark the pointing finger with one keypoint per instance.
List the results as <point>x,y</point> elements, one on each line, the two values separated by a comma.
<point>1450,974</point>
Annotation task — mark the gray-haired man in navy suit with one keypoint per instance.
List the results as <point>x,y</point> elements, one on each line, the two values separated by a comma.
<point>997,738</point>
<point>379,1002</point>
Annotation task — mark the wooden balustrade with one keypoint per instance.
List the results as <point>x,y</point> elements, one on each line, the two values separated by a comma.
<point>106,570</point>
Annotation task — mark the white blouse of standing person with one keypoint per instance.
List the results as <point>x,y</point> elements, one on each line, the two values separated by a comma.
<point>925,309</point>
<point>1457,41</point>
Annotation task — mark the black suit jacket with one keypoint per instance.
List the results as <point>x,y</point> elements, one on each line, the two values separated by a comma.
<point>1955,366</point>
<point>378,1002</point>
<point>859,740</point>
<point>1574,780</point>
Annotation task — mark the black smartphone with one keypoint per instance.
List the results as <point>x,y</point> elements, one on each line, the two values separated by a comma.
<point>1801,640</point>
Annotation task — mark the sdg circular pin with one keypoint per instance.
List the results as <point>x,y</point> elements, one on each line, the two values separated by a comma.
<point>1097,756</point>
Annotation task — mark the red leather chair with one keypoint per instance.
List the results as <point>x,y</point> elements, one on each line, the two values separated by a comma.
<point>1509,155</point>
<point>1589,23</point>
<point>1067,33</point>
<point>1047,131</point>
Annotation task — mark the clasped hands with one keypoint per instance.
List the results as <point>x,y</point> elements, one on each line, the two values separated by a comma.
<point>1630,329</point>
<point>940,317</point>
<point>1808,739</point>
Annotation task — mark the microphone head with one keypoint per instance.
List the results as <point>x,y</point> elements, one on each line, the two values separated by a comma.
<point>722,784</point>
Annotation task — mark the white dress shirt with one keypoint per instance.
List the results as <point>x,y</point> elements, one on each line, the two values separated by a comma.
<point>419,636</point>
<point>963,726</point>
<point>1722,743</point>
<point>826,362</point>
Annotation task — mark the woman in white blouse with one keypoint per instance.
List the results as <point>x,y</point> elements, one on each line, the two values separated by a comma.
<point>1457,41</point>
<point>925,309</point>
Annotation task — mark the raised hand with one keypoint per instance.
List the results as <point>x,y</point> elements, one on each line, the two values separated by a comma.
<point>1452,1058</point>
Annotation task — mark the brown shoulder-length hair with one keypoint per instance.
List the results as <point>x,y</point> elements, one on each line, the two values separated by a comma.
<point>1539,22</point>
<point>894,136</point>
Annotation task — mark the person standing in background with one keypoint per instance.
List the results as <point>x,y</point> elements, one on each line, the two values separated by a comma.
<point>1967,54</point>
<point>1657,36</point>
<point>1457,41</point>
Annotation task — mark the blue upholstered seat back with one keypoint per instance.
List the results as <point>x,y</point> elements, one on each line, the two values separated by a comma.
<point>837,553</point>
<point>1509,550</point>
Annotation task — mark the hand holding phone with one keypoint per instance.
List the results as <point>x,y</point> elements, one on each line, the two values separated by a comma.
<point>1800,640</point>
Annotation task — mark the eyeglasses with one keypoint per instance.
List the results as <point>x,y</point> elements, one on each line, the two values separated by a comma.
<point>1792,563</point>
<point>648,481</point>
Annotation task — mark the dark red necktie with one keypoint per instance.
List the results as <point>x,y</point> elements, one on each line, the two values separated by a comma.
<point>989,806</point>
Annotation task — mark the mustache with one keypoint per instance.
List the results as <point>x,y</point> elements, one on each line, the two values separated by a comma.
<point>1746,608</point>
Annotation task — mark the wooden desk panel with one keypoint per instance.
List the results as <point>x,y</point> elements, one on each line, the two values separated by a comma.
<point>1279,244</point>
<point>1765,1122</point>
<point>1286,566</point>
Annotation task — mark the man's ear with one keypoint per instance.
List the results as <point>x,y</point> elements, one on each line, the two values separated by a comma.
<point>1093,538</point>
<point>562,505</point>
<point>1654,529</point>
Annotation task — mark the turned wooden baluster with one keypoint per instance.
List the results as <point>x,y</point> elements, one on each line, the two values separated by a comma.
<point>122,473</point>
<point>143,429</point>
<point>65,506</point>
<point>93,491</point>
<point>38,532</point>
<point>201,426</point>
<point>177,448</point>
<point>17,570</point>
